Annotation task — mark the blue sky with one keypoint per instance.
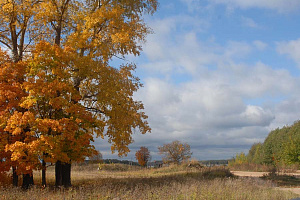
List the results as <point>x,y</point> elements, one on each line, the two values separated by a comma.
<point>218,74</point>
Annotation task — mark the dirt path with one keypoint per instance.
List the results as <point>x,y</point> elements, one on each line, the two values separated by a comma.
<point>248,174</point>
<point>260,174</point>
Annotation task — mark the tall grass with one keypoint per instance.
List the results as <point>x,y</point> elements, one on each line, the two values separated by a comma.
<point>263,167</point>
<point>173,182</point>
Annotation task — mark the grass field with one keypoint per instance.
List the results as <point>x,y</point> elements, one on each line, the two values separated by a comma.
<point>175,182</point>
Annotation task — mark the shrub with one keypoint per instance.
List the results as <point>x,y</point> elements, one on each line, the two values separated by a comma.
<point>5,179</point>
<point>217,172</point>
<point>117,167</point>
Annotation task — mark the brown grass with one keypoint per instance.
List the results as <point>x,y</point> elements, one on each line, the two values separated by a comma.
<point>264,167</point>
<point>175,182</point>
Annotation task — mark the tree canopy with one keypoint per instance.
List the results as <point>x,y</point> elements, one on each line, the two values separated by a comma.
<point>58,86</point>
<point>175,152</point>
<point>143,156</point>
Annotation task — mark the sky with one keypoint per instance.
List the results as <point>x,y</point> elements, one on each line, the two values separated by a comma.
<point>218,75</point>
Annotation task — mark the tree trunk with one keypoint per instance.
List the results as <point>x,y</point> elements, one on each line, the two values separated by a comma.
<point>15,177</point>
<point>62,174</point>
<point>58,174</point>
<point>27,181</point>
<point>66,174</point>
<point>44,184</point>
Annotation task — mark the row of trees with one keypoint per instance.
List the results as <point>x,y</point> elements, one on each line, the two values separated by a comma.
<point>175,152</point>
<point>58,88</point>
<point>281,147</point>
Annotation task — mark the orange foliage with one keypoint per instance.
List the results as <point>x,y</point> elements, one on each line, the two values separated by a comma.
<point>143,156</point>
<point>58,96</point>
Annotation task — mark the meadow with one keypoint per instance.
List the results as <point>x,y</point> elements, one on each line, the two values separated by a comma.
<point>117,181</point>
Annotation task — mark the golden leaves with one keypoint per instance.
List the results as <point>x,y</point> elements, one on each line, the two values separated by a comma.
<point>61,95</point>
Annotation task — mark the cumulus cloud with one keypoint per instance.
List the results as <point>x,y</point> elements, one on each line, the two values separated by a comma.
<point>282,6</point>
<point>278,5</point>
<point>249,22</point>
<point>260,45</point>
<point>291,49</point>
<point>226,104</point>
<point>202,112</point>
<point>184,52</point>
<point>192,4</point>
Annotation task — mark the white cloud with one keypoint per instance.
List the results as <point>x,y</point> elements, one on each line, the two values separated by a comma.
<point>261,81</point>
<point>282,6</point>
<point>202,112</point>
<point>192,5</point>
<point>278,5</point>
<point>213,107</point>
<point>219,102</point>
<point>210,108</point>
<point>249,22</point>
<point>291,49</point>
<point>260,45</point>
<point>184,52</point>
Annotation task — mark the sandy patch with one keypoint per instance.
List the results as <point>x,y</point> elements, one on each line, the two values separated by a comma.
<point>248,174</point>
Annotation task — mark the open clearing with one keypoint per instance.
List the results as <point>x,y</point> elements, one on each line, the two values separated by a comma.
<point>260,174</point>
<point>174,182</point>
<point>295,190</point>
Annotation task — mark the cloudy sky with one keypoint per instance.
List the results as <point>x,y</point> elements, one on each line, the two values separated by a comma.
<point>218,74</point>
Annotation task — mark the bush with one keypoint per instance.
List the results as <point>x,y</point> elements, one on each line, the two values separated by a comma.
<point>217,172</point>
<point>5,179</point>
<point>117,167</point>
<point>251,167</point>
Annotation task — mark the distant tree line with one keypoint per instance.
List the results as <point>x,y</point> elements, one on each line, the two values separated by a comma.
<point>281,147</point>
<point>127,162</point>
<point>214,162</point>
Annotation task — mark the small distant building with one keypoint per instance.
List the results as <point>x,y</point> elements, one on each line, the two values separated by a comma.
<point>155,164</point>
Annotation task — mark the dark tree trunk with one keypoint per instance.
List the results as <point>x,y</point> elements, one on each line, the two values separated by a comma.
<point>58,173</point>
<point>66,174</point>
<point>44,184</point>
<point>62,174</point>
<point>27,181</point>
<point>15,177</point>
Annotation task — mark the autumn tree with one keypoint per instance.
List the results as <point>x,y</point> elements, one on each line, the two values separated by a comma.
<point>143,156</point>
<point>17,32</point>
<point>73,92</point>
<point>175,152</point>
<point>96,157</point>
<point>11,92</point>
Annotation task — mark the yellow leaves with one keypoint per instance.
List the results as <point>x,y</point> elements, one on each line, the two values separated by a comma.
<point>24,155</point>
<point>120,38</point>
<point>44,125</point>
<point>18,122</point>
<point>62,95</point>
<point>16,131</point>
<point>28,102</point>
<point>11,77</point>
<point>18,149</point>
<point>58,102</point>
<point>8,8</point>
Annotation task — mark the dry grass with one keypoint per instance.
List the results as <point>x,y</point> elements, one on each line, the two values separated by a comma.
<point>263,167</point>
<point>173,182</point>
